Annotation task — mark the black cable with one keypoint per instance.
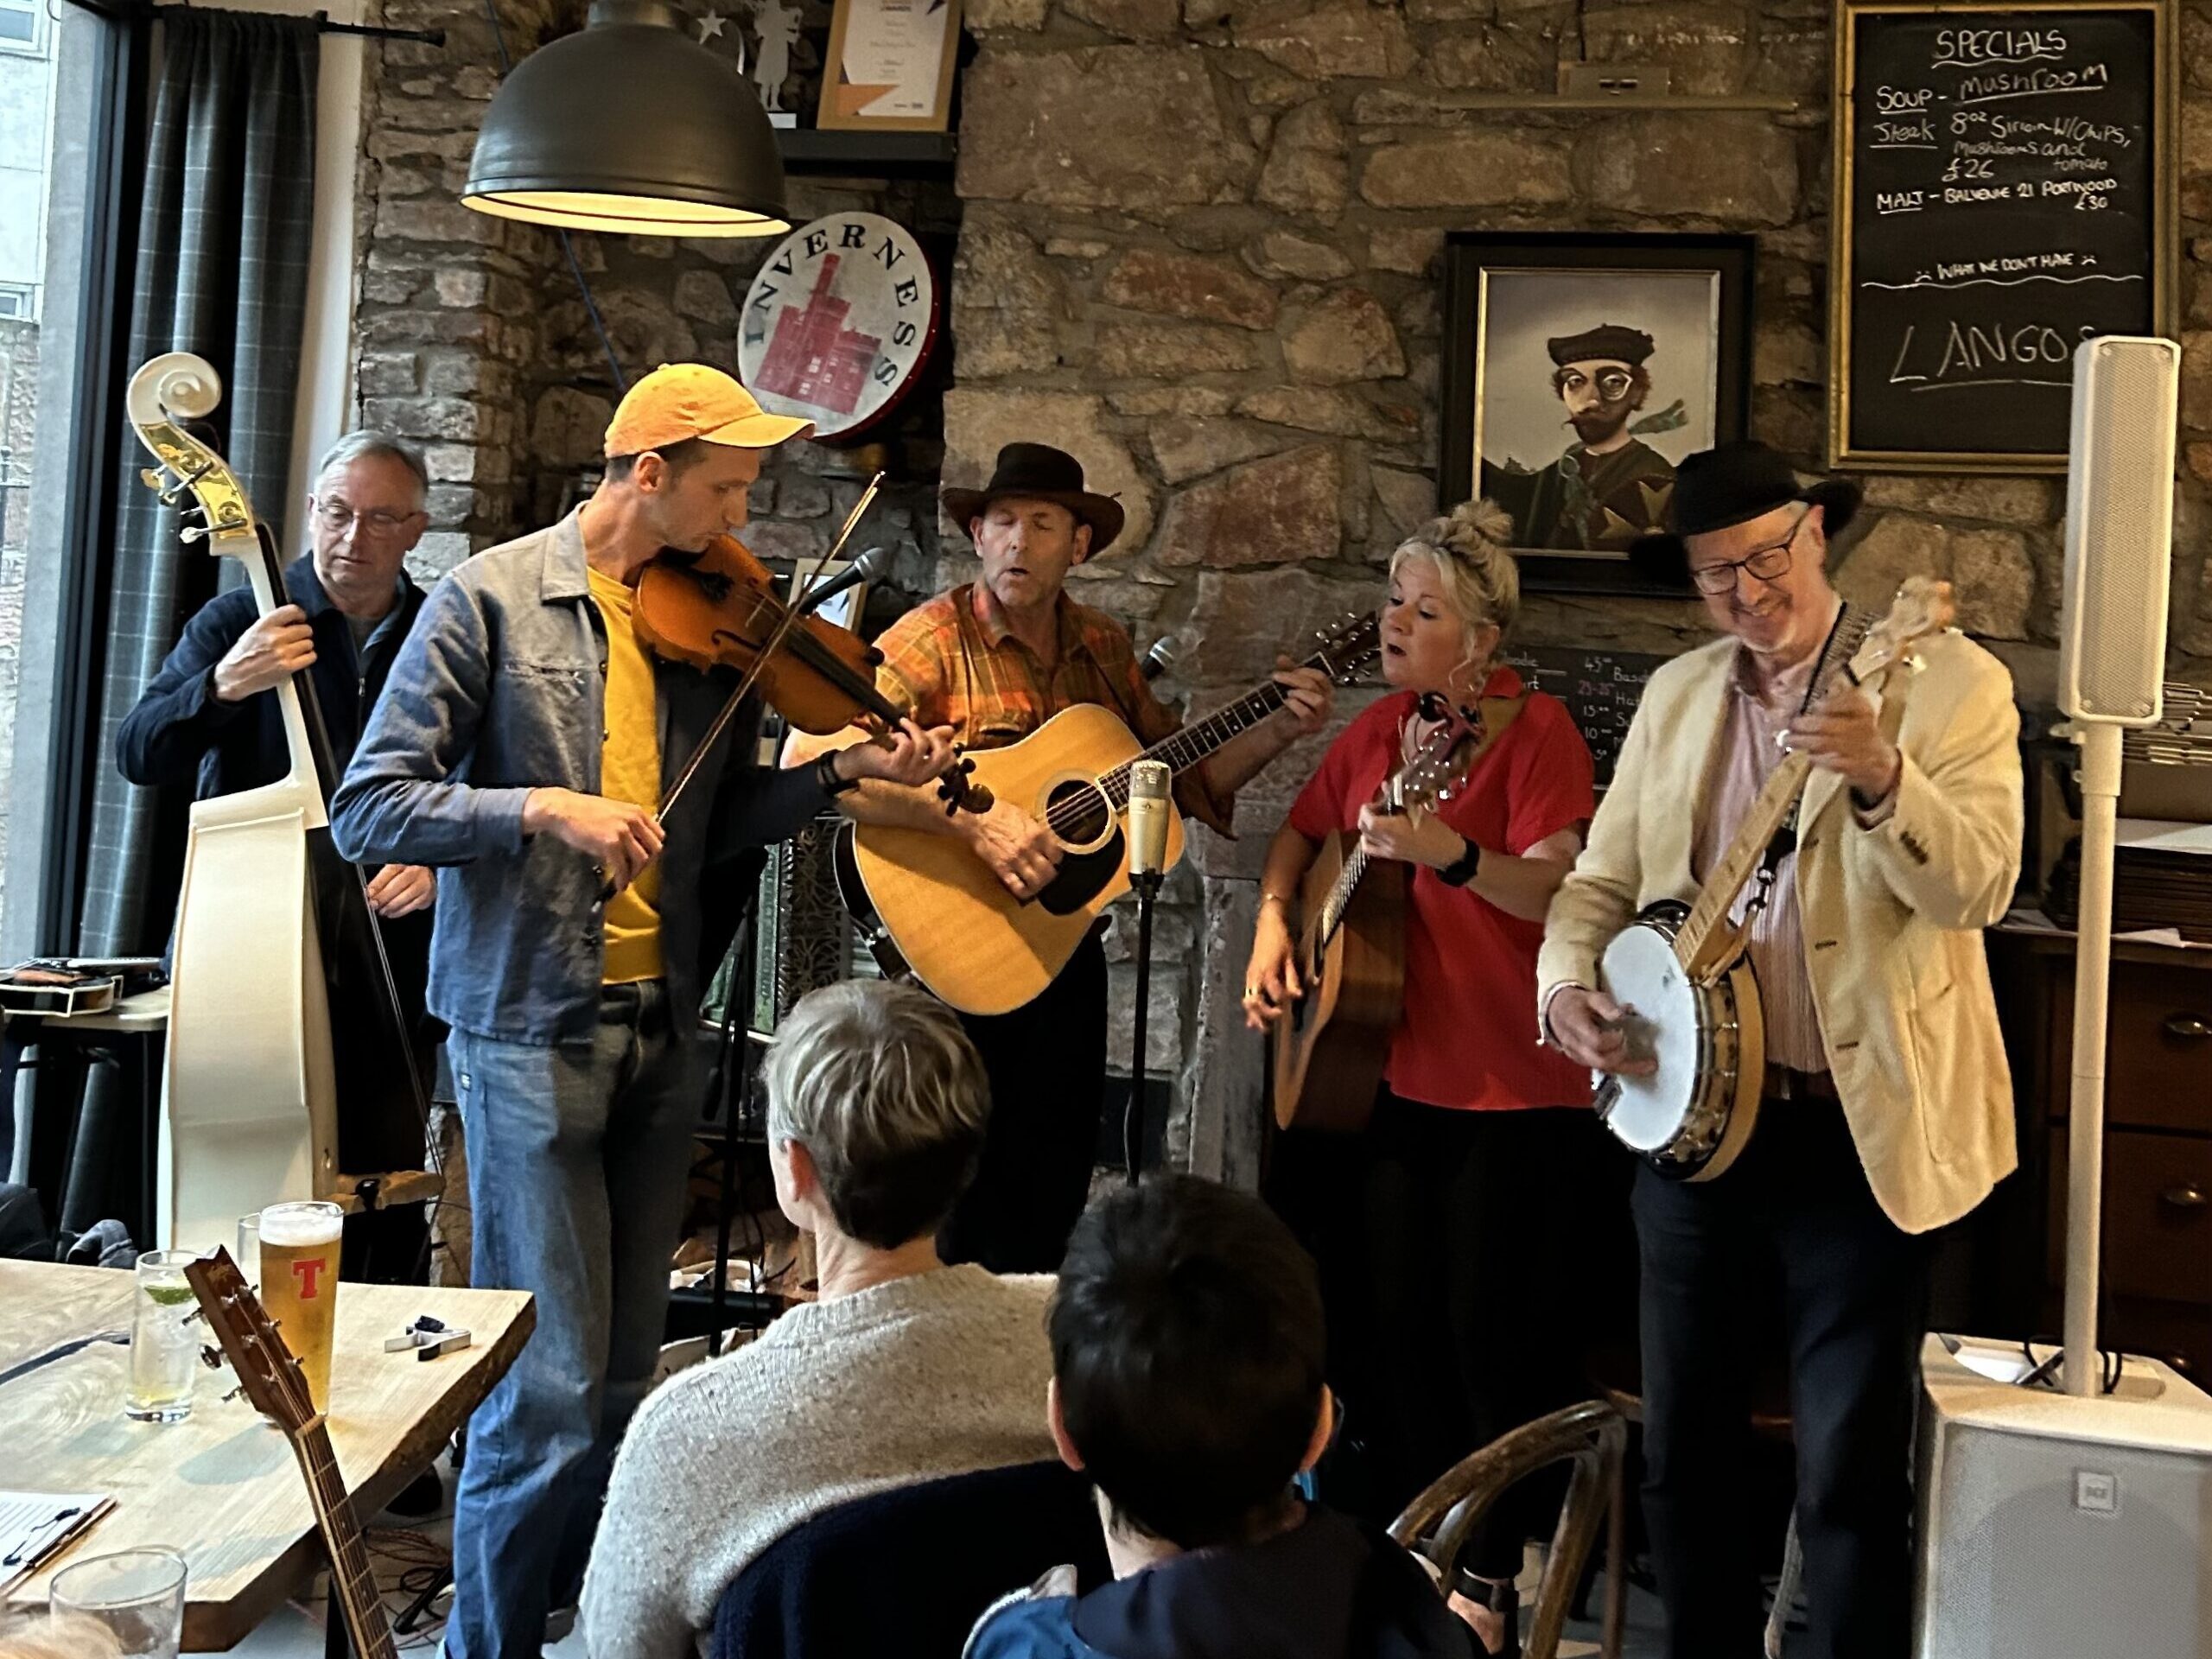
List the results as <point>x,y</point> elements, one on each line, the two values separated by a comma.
<point>568,247</point>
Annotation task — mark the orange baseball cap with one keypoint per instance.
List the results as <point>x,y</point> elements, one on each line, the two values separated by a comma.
<point>691,400</point>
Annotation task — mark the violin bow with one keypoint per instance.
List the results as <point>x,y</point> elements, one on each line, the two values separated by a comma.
<point>792,613</point>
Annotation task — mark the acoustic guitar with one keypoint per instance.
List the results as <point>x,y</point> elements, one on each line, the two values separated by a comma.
<point>935,910</point>
<point>1332,1044</point>
<point>274,1383</point>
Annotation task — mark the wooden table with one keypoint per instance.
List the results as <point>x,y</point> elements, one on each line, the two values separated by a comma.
<point>221,1487</point>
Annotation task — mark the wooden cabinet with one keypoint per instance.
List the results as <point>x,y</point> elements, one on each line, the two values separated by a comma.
<point>2157,1244</point>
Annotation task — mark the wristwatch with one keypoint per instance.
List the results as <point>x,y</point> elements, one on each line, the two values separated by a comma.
<point>827,775</point>
<point>1462,870</point>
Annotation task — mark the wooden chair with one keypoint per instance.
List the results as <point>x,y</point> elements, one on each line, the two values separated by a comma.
<point>1441,1522</point>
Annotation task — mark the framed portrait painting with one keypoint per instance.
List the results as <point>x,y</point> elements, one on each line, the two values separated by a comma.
<point>1579,368</point>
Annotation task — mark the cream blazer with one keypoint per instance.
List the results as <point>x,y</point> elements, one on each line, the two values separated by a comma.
<point>1892,914</point>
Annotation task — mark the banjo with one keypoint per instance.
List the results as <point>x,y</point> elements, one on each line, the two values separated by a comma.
<point>1682,972</point>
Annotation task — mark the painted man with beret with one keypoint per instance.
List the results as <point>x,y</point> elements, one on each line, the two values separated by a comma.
<point>1609,486</point>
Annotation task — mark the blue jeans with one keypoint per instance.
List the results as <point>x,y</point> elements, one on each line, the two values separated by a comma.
<point>577,1158</point>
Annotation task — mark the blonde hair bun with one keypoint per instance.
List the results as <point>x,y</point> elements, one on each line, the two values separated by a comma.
<point>1473,528</point>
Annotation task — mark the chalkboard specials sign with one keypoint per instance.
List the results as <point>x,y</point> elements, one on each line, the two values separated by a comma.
<point>2005,189</point>
<point>1599,688</point>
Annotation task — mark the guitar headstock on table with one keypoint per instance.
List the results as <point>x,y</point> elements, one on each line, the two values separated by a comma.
<point>267,1372</point>
<point>166,393</point>
<point>1347,646</point>
<point>1923,605</point>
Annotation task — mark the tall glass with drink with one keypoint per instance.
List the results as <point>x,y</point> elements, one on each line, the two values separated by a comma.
<point>299,1284</point>
<point>164,1349</point>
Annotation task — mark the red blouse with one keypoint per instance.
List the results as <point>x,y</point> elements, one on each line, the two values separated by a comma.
<point>1467,1037</point>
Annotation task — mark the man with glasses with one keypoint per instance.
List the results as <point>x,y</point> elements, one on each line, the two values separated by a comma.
<point>1888,1109</point>
<point>207,718</point>
<point>1609,486</point>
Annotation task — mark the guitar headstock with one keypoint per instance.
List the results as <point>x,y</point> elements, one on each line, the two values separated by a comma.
<point>1923,606</point>
<point>270,1376</point>
<point>1437,770</point>
<point>1349,646</point>
<point>166,392</point>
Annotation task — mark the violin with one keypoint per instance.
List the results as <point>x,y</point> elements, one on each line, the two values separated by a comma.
<point>719,608</point>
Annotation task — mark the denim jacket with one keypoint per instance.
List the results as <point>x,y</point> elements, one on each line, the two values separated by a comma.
<point>501,689</point>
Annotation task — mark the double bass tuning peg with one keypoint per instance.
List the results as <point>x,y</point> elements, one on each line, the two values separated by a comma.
<point>192,533</point>
<point>153,479</point>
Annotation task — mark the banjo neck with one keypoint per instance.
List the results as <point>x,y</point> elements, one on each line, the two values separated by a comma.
<point>1706,942</point>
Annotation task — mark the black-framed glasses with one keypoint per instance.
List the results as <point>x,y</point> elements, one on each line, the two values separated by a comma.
<point>338,517</point>
<point>1768,563</point>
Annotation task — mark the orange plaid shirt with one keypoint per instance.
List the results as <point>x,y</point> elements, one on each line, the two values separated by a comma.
<point>954,662</point>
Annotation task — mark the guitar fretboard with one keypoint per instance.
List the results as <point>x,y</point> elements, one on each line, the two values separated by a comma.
<point>349,1560</point>
<point>1193,743</point>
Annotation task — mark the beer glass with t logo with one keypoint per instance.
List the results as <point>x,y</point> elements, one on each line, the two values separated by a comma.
<point>299,1284</point>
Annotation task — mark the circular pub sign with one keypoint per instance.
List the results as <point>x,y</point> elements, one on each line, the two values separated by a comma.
<point>839,322</point>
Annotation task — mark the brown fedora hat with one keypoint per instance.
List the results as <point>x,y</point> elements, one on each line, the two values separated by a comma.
<point>1042,473</point>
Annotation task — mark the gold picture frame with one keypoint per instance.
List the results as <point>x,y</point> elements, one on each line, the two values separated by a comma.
<point>1845,451</point>
<point>888,41</point>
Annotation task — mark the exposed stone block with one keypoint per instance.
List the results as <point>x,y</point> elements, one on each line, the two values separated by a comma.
<point>1347,336</point>
<point>1161,350</point>
<point>1736,168</point>
<point>1470,169</point>
<point>1344,38</point>
<point>1134,126</point>
<point>1185,449</point>
<point>1179,285</point>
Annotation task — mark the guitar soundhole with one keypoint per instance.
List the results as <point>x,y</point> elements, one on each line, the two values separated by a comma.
<point>1079,815</point>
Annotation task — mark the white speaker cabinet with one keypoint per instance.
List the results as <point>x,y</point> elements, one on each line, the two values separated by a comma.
<point>2052,1525</point>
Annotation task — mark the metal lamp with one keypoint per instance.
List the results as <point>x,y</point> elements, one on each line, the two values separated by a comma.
<point>629,126</point>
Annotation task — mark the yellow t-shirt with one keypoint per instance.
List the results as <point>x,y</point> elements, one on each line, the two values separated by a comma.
<point>629,770</point>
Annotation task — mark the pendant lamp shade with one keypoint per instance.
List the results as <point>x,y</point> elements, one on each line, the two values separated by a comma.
<point>632,127</point>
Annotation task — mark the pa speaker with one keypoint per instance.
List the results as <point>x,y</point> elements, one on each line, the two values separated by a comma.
<point>2119,520</point>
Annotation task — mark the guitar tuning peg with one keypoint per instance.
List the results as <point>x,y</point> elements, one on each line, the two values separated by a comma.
<point>210,1357</point>
<point>237,1393</point>
<point>198,1313</point>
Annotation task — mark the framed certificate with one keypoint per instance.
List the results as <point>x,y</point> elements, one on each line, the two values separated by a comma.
<point>890,66</point>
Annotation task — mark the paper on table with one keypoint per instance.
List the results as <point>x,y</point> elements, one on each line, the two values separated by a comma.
<point>33,1525</point>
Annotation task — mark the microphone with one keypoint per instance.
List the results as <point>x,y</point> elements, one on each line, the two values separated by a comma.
<point>1161,657</point>
<point>871,566</point>
<point>1149,808</point>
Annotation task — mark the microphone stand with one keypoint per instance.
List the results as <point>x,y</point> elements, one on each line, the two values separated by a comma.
<point>1147,889</point>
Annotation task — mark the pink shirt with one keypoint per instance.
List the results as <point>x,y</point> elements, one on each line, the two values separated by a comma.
<point>1751,748</point>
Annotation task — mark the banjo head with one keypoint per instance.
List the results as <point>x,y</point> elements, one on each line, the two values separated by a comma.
<point>1639,971</point>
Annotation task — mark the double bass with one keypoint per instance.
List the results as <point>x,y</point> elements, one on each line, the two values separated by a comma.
<point>292,1069</point>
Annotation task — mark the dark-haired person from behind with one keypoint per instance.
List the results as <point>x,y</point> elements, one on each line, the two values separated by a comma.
<point>1188,1349</point>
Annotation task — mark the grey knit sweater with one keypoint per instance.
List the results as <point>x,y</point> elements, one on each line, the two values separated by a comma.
<point>941,1374</point>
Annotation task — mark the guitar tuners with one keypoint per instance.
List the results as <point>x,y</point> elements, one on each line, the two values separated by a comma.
<point>237,1393</point>
<point>210,1357</point>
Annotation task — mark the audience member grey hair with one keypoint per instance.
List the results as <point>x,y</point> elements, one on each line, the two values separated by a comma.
<point>369,444</point>
<point>881,1086</point>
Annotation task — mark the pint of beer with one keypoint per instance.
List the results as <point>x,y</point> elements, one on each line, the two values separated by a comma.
<point>299,1284</point>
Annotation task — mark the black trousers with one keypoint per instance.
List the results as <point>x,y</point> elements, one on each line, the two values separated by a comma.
<point>1460,1299</point>
<point>1046,1062</point>
<point>1797,1211</point>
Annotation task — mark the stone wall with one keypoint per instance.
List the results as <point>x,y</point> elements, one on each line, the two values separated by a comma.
<point>1197,244</point>
<point>1201,249</point>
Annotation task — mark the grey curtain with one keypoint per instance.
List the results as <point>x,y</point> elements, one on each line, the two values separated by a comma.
<point>224,236</point>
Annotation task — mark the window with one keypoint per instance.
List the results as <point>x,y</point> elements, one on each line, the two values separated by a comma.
<point>18,23</point>
<point>57,74</point>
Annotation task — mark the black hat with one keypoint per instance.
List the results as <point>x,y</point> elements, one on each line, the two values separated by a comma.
<point>1038,471</point>
<point>1731,485</point>
<point>1610,344</point>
